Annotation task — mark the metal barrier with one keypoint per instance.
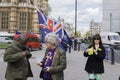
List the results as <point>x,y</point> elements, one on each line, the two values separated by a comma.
<point>110,53</point>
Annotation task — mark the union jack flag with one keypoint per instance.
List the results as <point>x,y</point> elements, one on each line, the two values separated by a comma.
<point>48,25</point>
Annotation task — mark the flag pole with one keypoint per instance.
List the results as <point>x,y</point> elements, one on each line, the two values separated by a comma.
<point>62,27</point>
<point>53,27</point>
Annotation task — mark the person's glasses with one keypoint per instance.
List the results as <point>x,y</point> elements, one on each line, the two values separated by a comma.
<point>97,39</point>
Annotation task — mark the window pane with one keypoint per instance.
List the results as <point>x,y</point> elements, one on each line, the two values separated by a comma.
<point>4,21</point>
<point>23,21</point>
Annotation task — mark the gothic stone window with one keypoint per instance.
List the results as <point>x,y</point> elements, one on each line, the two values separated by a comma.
<point>4,20</point>
<point>29,21</point>
<point>22,20</point>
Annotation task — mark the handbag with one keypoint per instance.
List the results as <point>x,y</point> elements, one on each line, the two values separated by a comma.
<point>41,73</point>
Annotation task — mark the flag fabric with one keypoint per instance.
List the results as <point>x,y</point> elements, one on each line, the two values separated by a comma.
<point>65,41</point>
<point>67,36</point>
<point>48,25</point>
<point>69,41</point>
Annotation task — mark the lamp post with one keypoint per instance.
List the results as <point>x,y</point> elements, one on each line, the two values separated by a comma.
<point>75,16</point>
<point>110,22</point>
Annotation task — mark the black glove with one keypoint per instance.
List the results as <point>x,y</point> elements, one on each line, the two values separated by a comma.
<point>29,55</point>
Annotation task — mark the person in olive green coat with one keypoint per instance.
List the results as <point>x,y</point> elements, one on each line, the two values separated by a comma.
<point>54,61</point>
<point>16,56</point>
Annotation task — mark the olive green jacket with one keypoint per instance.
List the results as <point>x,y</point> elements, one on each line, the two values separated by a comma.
<point>58,64</point>
<point>17,64</point>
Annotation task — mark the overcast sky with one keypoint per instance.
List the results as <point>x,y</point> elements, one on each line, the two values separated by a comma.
<point>87,10</point>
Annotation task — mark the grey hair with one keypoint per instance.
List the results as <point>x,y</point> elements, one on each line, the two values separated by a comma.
<point>22,37</point>
<point>52,38</point>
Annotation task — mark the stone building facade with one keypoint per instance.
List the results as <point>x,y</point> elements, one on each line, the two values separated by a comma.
<point>111,15</point>
<point>95,27</point>
<point>21,15</point>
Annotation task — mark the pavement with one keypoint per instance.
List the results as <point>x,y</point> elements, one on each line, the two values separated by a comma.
<point>75,67</point>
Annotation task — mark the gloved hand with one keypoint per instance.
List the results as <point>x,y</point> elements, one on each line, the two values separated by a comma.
<point>90,51</point>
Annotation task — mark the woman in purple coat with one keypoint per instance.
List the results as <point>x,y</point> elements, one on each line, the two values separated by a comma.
<point>54,61</point>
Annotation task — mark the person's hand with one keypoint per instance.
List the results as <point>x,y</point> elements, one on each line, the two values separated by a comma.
<point>95,51</point>
<point>47,69</point>
<point>24,53</point>
<point>40,64</point>
<point>90,51</point>
<point>86,50</point>
<point>27,54</point>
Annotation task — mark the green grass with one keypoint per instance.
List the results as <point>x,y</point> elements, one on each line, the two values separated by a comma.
<point>3,45</point>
